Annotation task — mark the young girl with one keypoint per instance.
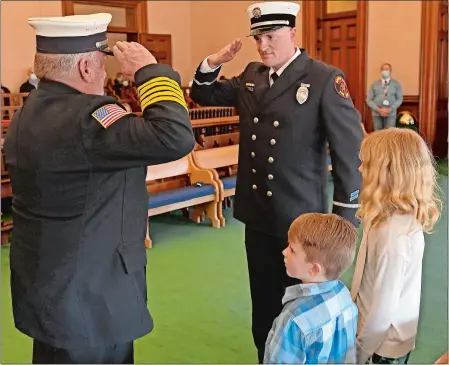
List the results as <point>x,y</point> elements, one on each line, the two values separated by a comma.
<point>398,203</point>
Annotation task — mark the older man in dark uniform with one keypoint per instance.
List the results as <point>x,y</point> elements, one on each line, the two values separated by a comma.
<point>78,163</point>
<point>291,107</point>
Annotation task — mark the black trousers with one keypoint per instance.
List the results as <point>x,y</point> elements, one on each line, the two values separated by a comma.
<point>268,280</point>
<point>114,354</point>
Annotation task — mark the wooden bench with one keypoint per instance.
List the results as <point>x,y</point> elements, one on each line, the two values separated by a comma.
<point>181,184</point>
<point>10,103</point>
<point>6,224</point>
<point>223,161</point>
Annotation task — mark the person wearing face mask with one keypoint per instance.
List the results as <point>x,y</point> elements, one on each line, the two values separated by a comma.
<point>31,83</point>
<point>118,83</point>
<point>129,93</point>
<point>290,107</point>
<point>384,98</point>
<point>78,161</point>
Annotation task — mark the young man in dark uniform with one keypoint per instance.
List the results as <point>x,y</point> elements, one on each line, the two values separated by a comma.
<point>290,107</point>
<point>78,162</point>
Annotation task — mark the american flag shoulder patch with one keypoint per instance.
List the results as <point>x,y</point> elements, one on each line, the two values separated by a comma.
<point>108,114</point>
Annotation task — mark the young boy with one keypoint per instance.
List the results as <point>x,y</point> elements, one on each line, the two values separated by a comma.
<point>318,323</point>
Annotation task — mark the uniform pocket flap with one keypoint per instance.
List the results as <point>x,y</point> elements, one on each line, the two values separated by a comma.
<point>134,256</point>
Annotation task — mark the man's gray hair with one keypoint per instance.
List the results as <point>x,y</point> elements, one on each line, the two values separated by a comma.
<point>58,66</point>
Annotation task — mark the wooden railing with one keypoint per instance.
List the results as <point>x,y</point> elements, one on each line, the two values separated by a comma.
<point>212,112</point>
<point>10,103</point>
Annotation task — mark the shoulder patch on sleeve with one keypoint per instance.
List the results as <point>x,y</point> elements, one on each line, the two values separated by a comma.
<point>341,87</point>
<point>108,114</point>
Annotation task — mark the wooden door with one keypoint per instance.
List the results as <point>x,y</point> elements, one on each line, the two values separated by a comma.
<point>321,18</point>
<point>159,45</point>
<point>339,46</point>
<point>442,115</point>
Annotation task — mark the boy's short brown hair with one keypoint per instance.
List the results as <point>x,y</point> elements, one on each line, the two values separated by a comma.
<point>327,239</point>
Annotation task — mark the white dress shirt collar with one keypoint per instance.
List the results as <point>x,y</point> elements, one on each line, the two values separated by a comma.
<point>279,72</point>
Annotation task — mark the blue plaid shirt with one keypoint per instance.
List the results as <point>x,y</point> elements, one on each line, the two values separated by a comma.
<point>318,324</point>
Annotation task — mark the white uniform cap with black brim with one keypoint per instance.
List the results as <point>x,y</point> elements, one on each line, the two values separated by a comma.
<point>72,34</point>
<point>271,15</point>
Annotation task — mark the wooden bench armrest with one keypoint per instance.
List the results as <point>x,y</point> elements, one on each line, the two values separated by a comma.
<point>197,174</point>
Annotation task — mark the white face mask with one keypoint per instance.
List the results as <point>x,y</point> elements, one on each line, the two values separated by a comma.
<point>125,83</point>
<point>33,77</point>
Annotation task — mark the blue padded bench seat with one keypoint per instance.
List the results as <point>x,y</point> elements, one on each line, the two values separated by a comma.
<point>156,200</point>
<point>229,182</point>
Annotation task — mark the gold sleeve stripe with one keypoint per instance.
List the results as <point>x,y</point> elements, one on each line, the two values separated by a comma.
<point>158,79</point>
<point>163,98</point>
<point>161,88</point>
<point>149,101</point>
<point>153,82</point>
<point>157,84</point>
<point>162,93</point>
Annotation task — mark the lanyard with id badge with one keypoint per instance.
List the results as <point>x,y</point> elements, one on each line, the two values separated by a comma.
<point>386,102</point>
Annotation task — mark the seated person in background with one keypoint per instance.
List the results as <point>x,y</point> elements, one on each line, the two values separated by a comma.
<point>5,102</point>
<point>30,84</point>
<point>319,320</point>
<point>5,90</point>
<point>118,83</point>
<point>109,88</point>
<point>129,93</point>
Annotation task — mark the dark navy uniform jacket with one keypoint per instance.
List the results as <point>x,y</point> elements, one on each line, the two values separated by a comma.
<point>284,131</point>
<point>78,165</point>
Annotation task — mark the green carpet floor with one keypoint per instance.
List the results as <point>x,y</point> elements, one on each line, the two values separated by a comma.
<point>199,297</point>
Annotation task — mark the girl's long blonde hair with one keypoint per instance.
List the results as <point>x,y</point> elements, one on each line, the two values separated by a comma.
<point>399,177</point>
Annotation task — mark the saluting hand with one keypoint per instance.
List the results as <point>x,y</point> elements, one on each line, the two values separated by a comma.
<point>131,57</point>
<point>226,54</point>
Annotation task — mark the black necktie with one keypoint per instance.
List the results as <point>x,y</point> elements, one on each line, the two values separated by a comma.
<point>274,77</point>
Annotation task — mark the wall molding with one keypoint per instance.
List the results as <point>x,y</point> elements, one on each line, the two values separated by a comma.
<point>140,15</point>
<point>309,27</point>
<point>311,17</point>
<point>428,79</point>
<point>362,50</point>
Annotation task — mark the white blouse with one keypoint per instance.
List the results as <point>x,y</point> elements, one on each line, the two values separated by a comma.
<point>387,288</point>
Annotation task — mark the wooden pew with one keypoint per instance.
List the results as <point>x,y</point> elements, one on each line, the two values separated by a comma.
<point>10,103</point>
<point>9,111</point>
<point>6,225</point>
<point>223,161</point>
<point>181,184</point>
